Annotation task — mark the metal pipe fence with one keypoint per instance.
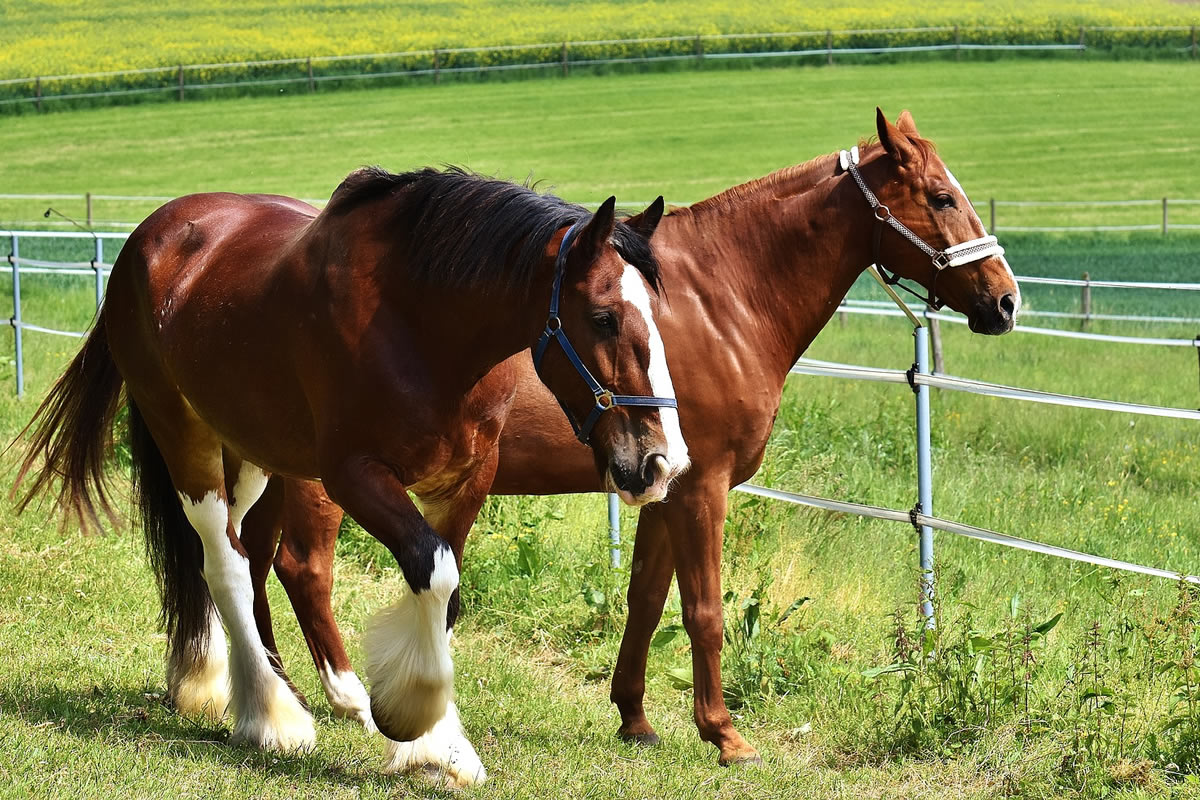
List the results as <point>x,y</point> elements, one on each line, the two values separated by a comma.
<point>820,46</point>
<point>920,378</point>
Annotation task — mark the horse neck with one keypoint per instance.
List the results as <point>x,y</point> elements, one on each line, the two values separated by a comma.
<point>789,247</point>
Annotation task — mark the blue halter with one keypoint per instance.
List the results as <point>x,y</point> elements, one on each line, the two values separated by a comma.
<point>605,399</point>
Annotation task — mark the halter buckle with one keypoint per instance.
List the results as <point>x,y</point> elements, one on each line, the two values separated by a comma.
<point>605,400</point>
<point>887,212</point>
<point>941,261</point>
<point>553,323</point>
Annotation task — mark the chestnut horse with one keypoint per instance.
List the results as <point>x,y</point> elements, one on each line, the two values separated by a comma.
<point>755,273</point>
<point>254,335</point>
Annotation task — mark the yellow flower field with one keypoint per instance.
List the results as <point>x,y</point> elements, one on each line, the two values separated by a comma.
<point>55,37</point>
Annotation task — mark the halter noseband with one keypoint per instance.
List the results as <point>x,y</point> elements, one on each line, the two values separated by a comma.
<point>954,256</point>
<point>605,399</point>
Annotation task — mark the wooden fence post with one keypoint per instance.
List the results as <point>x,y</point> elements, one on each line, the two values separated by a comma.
<point>829,48</point>
<point>1085,302</point>
<point>38,88</point>
<point>181,82</point>
<point>699,49</point>
<point>1082,37</point>
<point>1164,216</point>
<point>1193,41</point>
<point>935,336</point>
<point>89,209</point>
<point>312,85</point>
<point>992,215</point>
<point>957,57</point>
<point>564,59</point>
<point>437,66</point>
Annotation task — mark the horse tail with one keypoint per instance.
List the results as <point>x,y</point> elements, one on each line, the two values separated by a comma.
<point>72,435</point>
<point>175,551</point>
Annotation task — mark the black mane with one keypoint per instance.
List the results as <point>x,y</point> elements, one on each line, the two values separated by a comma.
<point>464,229</point>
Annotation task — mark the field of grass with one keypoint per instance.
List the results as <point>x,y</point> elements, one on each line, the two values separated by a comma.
<point>1003,711</point>
<point>56,37</point>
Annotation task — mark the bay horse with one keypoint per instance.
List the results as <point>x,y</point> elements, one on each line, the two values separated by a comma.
<point>255,336</point>
<point>755,274</point>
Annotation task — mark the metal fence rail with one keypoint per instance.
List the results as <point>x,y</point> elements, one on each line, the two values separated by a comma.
<point>178,80</point>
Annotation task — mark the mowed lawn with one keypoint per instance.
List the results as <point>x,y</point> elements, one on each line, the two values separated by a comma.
<point>1048,129</point>
<point>81,711</point>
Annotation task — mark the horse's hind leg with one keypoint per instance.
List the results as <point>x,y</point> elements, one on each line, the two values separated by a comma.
<point>304,564</point>
<point>198,672</point>
<point>267,714</point>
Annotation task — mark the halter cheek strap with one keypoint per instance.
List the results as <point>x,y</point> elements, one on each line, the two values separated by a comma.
<point>955,256</point>
<point>605,399</point>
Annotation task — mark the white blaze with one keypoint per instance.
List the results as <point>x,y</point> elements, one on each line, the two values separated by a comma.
<point>633,289</point>
<point>1003,260</point>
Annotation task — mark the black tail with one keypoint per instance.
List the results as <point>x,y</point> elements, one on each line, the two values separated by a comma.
<point>72,435</point>
<point>175,551</point>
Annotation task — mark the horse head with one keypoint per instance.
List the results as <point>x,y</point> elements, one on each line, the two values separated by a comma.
<point>609,368</point>
<point>927,230</point>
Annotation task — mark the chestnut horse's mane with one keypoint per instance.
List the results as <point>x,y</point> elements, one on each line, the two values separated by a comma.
<point>806,173</point>
<point>467,231</point>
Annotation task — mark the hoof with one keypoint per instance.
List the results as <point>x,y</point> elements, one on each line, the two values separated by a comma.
<point>646,739</point>
<point>284,725</point>
<point>742,759</point>
<point>444,757</point>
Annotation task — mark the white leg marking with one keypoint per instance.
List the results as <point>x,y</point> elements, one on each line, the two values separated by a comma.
<point>268,714</point>
<point>633,289</point>
<point>347,696</point>
<point>445,755</point>
<point>983,231</point>
<point>250,484</point>
<point>199,685</point>
<point>408,656</point>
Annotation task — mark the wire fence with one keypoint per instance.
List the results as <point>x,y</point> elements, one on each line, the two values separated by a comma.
<point>98,210</point>
<point>920,378</point>
<point>311,73</point>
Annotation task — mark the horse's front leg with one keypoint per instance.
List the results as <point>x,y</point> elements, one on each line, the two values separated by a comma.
<point>696,522</point>
<point>407,645</point>
<point>649,582</point>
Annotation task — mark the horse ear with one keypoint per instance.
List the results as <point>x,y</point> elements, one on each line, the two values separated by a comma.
<point>646,222</point>
<point>599,229</point>
<point>906,124</point>
<point>894,140</point>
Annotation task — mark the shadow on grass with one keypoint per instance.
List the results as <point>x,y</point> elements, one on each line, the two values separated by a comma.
<point>141,719</point>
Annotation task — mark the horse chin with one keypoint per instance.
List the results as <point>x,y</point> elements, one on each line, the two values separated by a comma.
<point>990,324</point>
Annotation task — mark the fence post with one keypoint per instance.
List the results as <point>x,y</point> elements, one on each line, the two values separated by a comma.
<point>829,48</point>
<point>614,531</point>
<point>699,49</point>
<point>181,83</point>
<point>1164,216</point>
<point>935,336</point>
<point>992,215</point>
<point>957,44</point>
<point>564,59</point>
<point>437,66</point>
<point>1082,39</point>
<point>18,343</point>
<point>98,266</point>
<point>1193,41</point>
<point>924,476</point>
<point>1085,303</point>
<point>88,197</point>
<point>38,88</point>
<point>312,85</point>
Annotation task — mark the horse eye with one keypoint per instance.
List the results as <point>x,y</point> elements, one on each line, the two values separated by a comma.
<point>943,201</point>
<point>605,322</point>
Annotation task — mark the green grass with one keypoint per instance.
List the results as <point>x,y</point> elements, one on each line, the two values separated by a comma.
<point>80,656</point>
<point>1021,130</point>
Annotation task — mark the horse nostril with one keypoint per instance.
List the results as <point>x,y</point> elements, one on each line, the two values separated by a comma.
<point>651,468</point>
<point>1008,305</point>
